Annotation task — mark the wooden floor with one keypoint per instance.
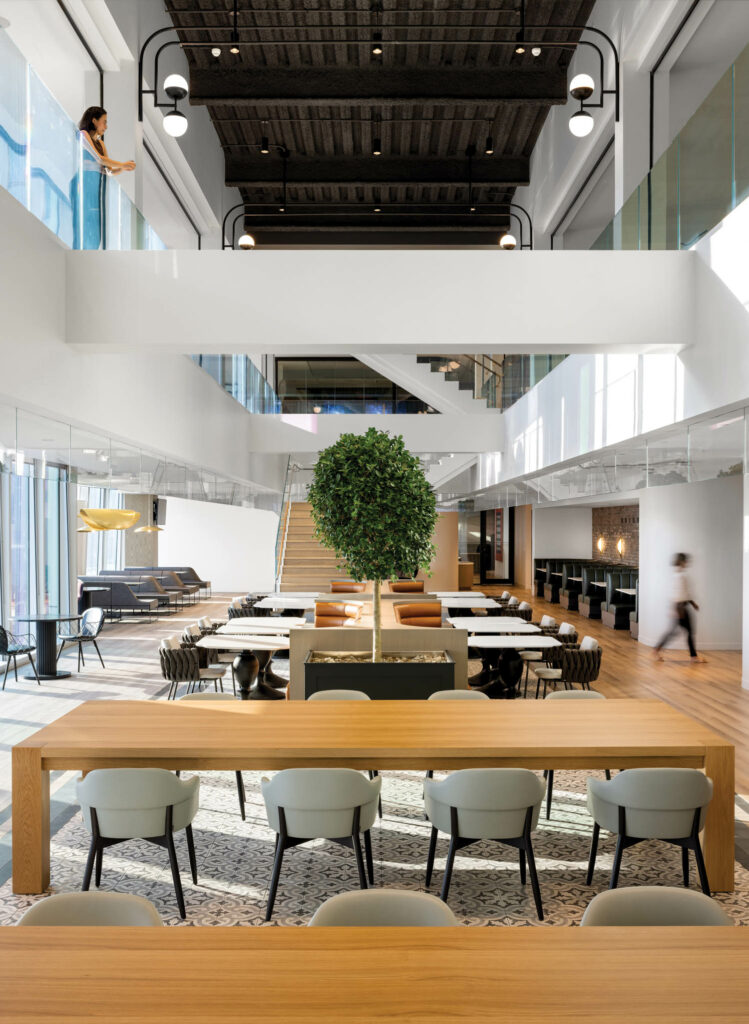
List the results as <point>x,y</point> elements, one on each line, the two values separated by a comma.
<point>711,693</point>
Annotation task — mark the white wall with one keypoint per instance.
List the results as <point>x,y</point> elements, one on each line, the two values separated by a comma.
<point>706,521</point>
<point>562,532</point>
<point>232,547</point>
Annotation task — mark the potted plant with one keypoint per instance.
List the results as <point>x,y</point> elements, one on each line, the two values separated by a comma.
<point>372,504</point>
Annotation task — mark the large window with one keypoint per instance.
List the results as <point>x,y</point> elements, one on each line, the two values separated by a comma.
<point>339,386</point>
<point>105,549</point>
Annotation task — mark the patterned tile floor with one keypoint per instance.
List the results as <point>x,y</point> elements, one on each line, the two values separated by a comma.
<point>235,857</point>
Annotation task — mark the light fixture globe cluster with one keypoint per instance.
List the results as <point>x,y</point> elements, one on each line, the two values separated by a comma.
<point>581,123</point>
<point>175,122</point>
<point>508,241</point>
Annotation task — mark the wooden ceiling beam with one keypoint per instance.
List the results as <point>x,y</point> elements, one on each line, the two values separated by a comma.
<point>390,86</point>
<point>311,172</point>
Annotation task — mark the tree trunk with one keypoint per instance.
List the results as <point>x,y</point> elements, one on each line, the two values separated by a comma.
<point>377,623</point>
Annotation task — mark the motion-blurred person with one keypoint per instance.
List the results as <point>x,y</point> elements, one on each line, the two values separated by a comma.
<point>682,616</point>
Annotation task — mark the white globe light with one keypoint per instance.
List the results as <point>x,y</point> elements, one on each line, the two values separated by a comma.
<point>175,124</point>
<point>216,51</point>
<point>581,124</point>
<point>581,87</point>
<point>508,241</point>
<point>246,242</point>
<point>175,86</point>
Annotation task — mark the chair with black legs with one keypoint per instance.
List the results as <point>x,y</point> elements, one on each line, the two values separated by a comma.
<point>11,646</point>
<point>651,803</point>
<point>304,804</point>
<point>502,804</point>
<point>348,695</point>
<point>567,695</point>
<point>138,803</point>
<point>210,695</point>
<point>91,625</point>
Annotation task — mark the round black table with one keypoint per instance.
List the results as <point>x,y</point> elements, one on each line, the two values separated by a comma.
<point>46,643</point>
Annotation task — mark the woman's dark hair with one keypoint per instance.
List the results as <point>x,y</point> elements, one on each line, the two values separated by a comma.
<point>680,559</point>
<point>86,123</point>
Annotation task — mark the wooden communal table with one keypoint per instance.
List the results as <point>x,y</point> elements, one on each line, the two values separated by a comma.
<point>371,734</point>
<point>368,975</point>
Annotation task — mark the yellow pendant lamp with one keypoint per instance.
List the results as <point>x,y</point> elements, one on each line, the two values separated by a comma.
<point>109,518</point>
<point>151,528</point>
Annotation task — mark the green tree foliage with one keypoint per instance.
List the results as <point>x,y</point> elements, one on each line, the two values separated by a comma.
<point>372,504</point>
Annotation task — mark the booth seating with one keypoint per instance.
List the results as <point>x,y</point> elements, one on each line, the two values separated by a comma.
<point>423,613</point>
<point>591,598</point>
<point>119,596</point>
<point>407,586</point>
<point>347,587</point>
<point>634,616</point>
<point>145,586</point>
<point>553,582</point>
<point>539,576</point>
<point>616,608</point>
<point>170,581</point>
<point>336,613</point>
<point>569,591</point>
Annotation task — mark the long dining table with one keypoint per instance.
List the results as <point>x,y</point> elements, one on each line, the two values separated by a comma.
<point>259,735</point>
<point>375,975</point>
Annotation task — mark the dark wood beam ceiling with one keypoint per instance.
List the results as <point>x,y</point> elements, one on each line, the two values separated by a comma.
<point>393,86</point>
<point>305,79</point>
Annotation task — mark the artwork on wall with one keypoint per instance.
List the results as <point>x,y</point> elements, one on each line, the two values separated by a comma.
<point>498,536</point>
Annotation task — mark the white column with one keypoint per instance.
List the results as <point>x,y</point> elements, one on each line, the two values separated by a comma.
<point>745,588</point>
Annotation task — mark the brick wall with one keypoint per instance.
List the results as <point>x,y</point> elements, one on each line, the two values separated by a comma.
<point>611,523</point>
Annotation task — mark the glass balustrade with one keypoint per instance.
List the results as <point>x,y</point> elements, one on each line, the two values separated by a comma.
<point>497,380</point>
<point>240,378</point>
<point>44,165</point>
<point>702,176</point>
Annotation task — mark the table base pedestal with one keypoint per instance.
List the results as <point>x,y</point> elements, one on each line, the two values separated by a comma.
<point>48,675</point>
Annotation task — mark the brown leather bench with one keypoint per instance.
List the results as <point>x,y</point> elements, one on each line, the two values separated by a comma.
<point>407,587</point>
<point>336,613</point>
<point>422,613</point>
<point>347,587</point>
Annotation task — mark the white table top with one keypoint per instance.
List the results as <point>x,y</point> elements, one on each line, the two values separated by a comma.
<point>261,624</point>
<point>287,593</point>
<point>492,624</point>
<point>630,591</point>
<point>294,603</point>
<point>469,602</point>
<point>555,574</point>
<point>575,579</point>
<point>514,643</point>
<point>458,593</point>
<point>244,643</point>
<point>594,583</point>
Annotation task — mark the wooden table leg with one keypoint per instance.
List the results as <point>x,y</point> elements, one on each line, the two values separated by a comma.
<point>30,827</point>
<point>718,837</point>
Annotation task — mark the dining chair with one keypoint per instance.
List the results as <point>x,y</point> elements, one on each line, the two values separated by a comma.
<point>567,633</point>
<point>120,804</point>
<point>181,664</point>
<point>91,624</point>
<point>567,695</point>
<point>90,909</point>
<point>10,648</point>
<point>457,695</point>
<point>651,803</point>
<point>653,906</point>
<point>209,695</point>
<point>502,804</point>
<point>349,695</point>
<point>383,908</point>
<point>548,622</point>
<point>304,804</point>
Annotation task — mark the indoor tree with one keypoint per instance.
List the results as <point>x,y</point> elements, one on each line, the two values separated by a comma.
<point>372,504</point>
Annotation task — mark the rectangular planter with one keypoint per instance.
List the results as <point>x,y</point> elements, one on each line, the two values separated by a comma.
<point>381,681</point>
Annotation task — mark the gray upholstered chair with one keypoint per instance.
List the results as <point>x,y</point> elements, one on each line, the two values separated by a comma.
<point>457,695</point>
<point>651,803</point>
<point>210,695</point>
<point>654,906</point>
<point>567,695</point>
<point>383,908</point>
<point>339,695</point>
<point>485,803</point>
<point>88,909</point>
<point>119,804</point>
<point>303,804</point>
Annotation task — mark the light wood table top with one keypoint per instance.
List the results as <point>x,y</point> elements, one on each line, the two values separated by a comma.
<point>513,643</point>
<point>248,642</point>
<point>259,735</point>
<point>492,624</point>
<point>374,975</point>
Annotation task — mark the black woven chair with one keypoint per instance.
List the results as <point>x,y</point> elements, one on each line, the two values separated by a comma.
<point>11,645</point>
<point>92,622</point>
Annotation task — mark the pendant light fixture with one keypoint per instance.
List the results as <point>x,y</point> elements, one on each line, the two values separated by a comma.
<point>109,518</point>
<point>246,241</point>
<point>508,241</point>
<point>150,527</point>
<point>581,123</point>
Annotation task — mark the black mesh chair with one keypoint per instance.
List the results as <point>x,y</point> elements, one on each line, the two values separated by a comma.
<point>91,624</point>
<point>11,646</point>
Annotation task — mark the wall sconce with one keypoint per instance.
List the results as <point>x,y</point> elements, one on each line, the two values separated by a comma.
<point>620,546</point>
<point>601,544</point>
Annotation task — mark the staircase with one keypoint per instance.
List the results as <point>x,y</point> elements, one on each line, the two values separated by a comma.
<point>307,565</point>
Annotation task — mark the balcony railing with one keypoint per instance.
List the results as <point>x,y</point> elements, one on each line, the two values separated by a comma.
<point>702,176</point>
<point>241,379</point>
<point>499,380</point>
<point>43,164</point>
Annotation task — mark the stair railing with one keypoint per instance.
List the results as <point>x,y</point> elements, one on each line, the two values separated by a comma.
<point>283,523</point>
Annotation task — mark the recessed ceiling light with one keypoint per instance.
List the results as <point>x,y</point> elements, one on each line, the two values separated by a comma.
<point>473,209</point>
<point>378,209</point>
<point>234,50</point>
<point>282,209</point>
